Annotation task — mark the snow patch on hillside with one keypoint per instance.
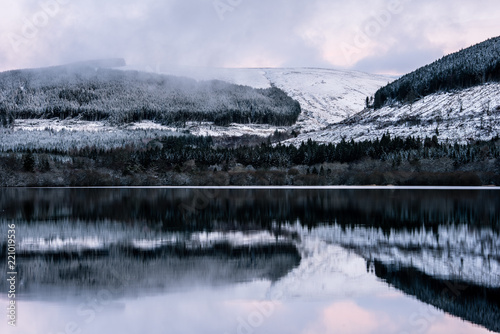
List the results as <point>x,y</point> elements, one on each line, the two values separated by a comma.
<point>326,96</point>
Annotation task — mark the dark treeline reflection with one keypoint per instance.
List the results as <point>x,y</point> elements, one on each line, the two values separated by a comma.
<point>165,268</point>
<point>477,304</point>
<point>195,209</point>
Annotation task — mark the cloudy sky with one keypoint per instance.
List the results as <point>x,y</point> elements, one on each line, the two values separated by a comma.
<point>378,36</point>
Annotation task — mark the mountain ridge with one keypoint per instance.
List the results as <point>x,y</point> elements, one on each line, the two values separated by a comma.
<point>466,68</point>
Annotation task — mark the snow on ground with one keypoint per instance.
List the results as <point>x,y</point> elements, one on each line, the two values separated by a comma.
<point>326,96</point>
<point>57,125</point>
<point>460,116</point>
<point>332,104</point>
<point>233,130</point>
<point>41,134</point>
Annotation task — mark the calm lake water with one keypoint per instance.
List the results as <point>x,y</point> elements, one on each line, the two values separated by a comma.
<point>252,261</point>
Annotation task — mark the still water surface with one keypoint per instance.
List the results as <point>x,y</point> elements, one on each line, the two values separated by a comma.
<point>253,261</point>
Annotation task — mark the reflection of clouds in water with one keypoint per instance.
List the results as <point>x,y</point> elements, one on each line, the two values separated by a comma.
<point>446,324</point>
<point>325,271</point>
<point>348,318</point>
<point>228,309</point>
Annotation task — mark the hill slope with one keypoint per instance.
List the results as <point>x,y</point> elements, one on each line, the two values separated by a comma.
<point>467,68</point>
<point>460,116</point>
<point>326,96</point>
<point>94,93</point>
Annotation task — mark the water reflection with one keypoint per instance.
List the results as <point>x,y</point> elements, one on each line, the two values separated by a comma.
<point>254,261</point>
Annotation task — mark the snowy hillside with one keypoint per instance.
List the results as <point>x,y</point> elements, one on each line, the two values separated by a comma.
<point>332,103</point>
<point>101,94</point>
<point>462,116</point>
<point>326,96</point>
<point>470,67</point>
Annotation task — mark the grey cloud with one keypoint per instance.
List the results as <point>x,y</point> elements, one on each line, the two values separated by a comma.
<point>244,33</point>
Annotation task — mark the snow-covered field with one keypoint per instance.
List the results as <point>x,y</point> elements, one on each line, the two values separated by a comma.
<point>77,134</point>
<point>46,134</point>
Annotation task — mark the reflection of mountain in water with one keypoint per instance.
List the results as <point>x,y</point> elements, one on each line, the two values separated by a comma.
<point>477,304</point>
<point>453,267</point>
<point>47,261</point>
<point>446,251</point>
<point>418,240</point>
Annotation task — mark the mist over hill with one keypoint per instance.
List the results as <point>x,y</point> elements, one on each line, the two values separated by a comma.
<point>93,92</point>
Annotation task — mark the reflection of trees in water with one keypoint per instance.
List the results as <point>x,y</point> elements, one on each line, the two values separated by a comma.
<point>183,209</point>
<point>165,268</point>
<point>477,304</point>
<point>203,210</point>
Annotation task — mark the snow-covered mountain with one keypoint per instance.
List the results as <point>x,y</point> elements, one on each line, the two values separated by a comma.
<point>326,96</point>
<point>100,94</point>
<point>333,104</point>
<point>458,116</point>
<point>466,68</point>
<point>456,98</point>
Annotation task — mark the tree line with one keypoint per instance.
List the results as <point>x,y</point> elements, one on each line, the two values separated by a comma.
<point>128,96</point>
<point>175,151</point>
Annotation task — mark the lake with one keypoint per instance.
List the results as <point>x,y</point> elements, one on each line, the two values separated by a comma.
<point>203,260</point>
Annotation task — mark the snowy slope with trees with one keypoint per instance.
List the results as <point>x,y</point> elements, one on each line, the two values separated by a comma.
<point>456,98</point>
<point>326,96</point>
<point>96,94</point>
<point>38,114</point>
<point>460,116</point>
<point>473,66</point>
